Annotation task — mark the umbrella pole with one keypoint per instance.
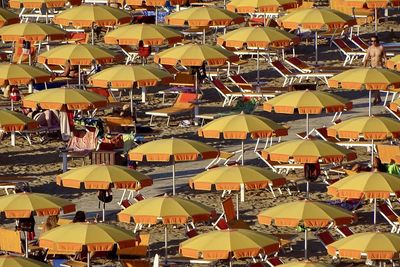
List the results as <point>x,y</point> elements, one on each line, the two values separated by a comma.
<point>242,152</point>
<point>88,259</point>
<point>307,125</point>
<point>376,20</point>
<point>316,47</point>
<point>13,138</point>
<point>26,244</point>
<point>92,35</point>
<point>372,153</point>
<point>305,244</point>
<point>369,103</point>
<point>131,99</point>
<point>308,188</point>
<point>258,67</point>
<point>156,15</point>
<point>173,176</point>
<point>204,36</point>
<point>143,94</point>
<point>166,244</point>
<point>79,76</point>
<point>374,210</point>
<point>104,211</point>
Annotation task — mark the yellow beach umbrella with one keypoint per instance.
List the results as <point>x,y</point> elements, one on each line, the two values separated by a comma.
<point>32,4</point>
<point>316,19</point>
<point>94,236</point>
<point>310,214</point>
<point>242,126</point>
<point>204,17</point>
<point>395,105</point>
<point>150,34</point>
<point>257,37</point>
<point>307,102</point>
<point>19,74</point>
<point>11,121</point>
<point>376,246</point>
<point>88,16</point>
<point>366,185</point>
<point>305,264</point>
<point>226,244</point>
<point>157,3</point>
<point>16,261</point>
<point>129,77</point>
<point>366,78</point>
<point>173,150</point>
<point>369,128</point>
<point>31,32</point>
<point>237,178</point>
<point>7,17</point>
<point>168,210</point>
<point>65,99</point>
<point>393,63</point>
<point>260,6</point>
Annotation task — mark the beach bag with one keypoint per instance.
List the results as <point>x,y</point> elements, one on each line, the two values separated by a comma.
<point>311,171</point>
<point>105,196</point>
<point>14,94</point>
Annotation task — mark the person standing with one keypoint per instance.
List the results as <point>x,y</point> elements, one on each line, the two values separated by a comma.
<point>376,57</point>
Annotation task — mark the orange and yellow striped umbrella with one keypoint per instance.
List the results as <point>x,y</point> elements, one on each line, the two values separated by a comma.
<point>31,32</point>
<point>260,6</point>
<point>31,4</point>
<point>21,74</point>
<point>7,17</point>
<point>11,121</point>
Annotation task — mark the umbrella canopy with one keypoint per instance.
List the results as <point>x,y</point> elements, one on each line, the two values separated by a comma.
<point>95,236</point>
<point>369,128</point>
<point>305,264</point>
<point>16,261</point>
<point>260,37</point>
<point>260,6</point>
<point>204,16</point>
<point>31,32</point>
<point>308,151</point>
<point>22,205</point>
<point>65,99</point>
<point>316,19</point>
<point>366,78</point>
<point>129,76</point>
<point>395,105</point>
<point>7,17</point>
<point>393,63</point>
<point>366,185</point>
<point>150,34</point>
<point>239,243</point>
<point>231,177</point>
<point>160,3</point>
<point>11,121</point>
<point>104,177</point>
<point>18,74</point>
<point>89,15</point>
<point>77,54</point>
<point>377,246</point>
<point>31,4</point>
<point>242,126</point>
<point>307,102</point>
<point>168,210</point>
<point>195,55</point>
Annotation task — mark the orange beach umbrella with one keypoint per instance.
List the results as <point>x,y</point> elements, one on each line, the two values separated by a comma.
<point>31,32</point>
<point>7,17</point>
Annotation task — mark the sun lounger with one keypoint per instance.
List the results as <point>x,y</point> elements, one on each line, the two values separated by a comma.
<point>135,263</point>
<point>304,67</point>
<point>229,217</point>
<point>245,86</point>
<point>390,216</point>
<point>276,261</point>
<point>183,79</point>
<point>345,231</point>
<point>348,52</point>
<point>176,91</point>
<point>183,104</point>
<point>326,238</point>
<point>140,250</point>
<point>10,183</point>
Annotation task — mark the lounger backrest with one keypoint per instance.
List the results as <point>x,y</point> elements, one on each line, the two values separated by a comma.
<point>221,87</point>
<point>83,140</point>
<point>345,230</point>
<point>185,100</point>
<point>359,42</point>
<point>127,48</point>
<point>192,233</point>
<point>295,61</point>
<point>275,261</point>
<point>237,79</point>
<point>388,212</point>
<point>222,224</point>
<point>139,250</point>
<point>326,238</point>
<point>78,37</point>
<point>281,68</point>
<point>10,241</point>
<point>229,209</point>
<point>171,69</point>
<point>240,82</point>
<point>387,153</point>
<point>342,45</point>
<point>135,263</point>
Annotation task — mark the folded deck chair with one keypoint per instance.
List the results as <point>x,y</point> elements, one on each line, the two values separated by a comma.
<point>228,217</point>
<point>245,86</point>
<point>390,216</point>
<point>348,52</point>
<point>345,231</point>
<point>276,261</point>
<point>183,104</point>
<point>326,238</point>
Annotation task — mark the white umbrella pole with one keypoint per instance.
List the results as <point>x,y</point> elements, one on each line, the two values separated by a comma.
<point>79,76</point>
<point>258,67</point>
<point>156,14</point>
<point>305,244</point>
<point>204,36</point>
<point>316,47</point>
<point>12,105</point>
<point>374,210</point>
<point>131,100</point>
<point>307,125</point>
<point>143,94</point>
<point>13,138</point>
<point>242,152</point>
<point>308,188</point>
<point>369,102</point>
<point>372,153</point>
<point>104,211</point>
<point>92,35</point>
<point>173,176</point>
<point>26,245</point>
<point>88,259</point>
<point>166,244</point>
<point>376,20</point>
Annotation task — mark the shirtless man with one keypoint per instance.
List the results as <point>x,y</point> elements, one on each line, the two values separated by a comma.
<point>377,57</point>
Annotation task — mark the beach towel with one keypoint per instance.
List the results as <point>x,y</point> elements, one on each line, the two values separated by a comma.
<point>65,128</point>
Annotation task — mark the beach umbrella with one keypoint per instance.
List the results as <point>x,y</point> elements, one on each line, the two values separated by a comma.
<point>309,214</point>
<point>173,150</point>
<point>89,16</point>
<point>241,126</point>
<point>373,245</point>
<point>260,6</point>
<point>11,121</point>
<point>77,54</point>
<point>258,38</point>
<point>237,178</point>
<point>167,210</point>
<point>7,17</point>
<point>305,264</point>
<point>228,244</point>
<point>316,19</point>
<point>395,105</point>
<point>393,63</point>
<point>31,32</point>
<point>24,205</point>
<point>150,34</point>
<point>16,261</point>
<point>103,177</point>
<point>65,99</point>
<point>204,17</point>
<point>307,102</point>
<point>366,78</point>
<point>130,77</point>
<point>369,128</point>
<point>74,237</point>
<point>33,4</point>
<point>367,185</point>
